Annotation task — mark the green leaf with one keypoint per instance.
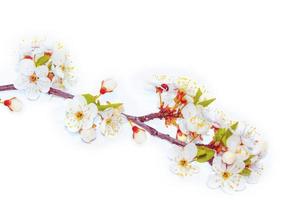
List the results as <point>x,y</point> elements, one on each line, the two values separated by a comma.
<point>204,154</point>
<point>42,60</point>
<point>234,126</point>
<point>198,95</point>
<point>222,135</point>
<point>225,137</point>
<point>111,105</point>
<point>248,161</point>
<point>219,134</point>
<point>206,103</point>
<point>90,98</point>
<point>245,172</point>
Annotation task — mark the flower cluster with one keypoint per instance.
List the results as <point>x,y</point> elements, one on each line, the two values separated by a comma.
<point>43,66</point>
<point>86,115</point>
<point>233,149</point>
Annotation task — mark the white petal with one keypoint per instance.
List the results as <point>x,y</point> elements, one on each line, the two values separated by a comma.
<point>41,71</point>
<point>236,167</point>
<point>32,92</point>
<point>189,110</point>
<point>218,166</point>
<point>190,151</point>
<point>44,84</point>
<point>233,142</point>
<point>235,183</point>
<point>22,82</point>
<point>88,135</point>
<point>256,171</point>
<point>110,84</point>
<point>26,67</point>
<point>214,181</point>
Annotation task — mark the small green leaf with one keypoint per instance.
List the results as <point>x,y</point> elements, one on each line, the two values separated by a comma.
<point>245,172</point>
<point>111,105</point>
<point>206,103</point>
<point>204,154</point>
<point>248,161</point>
<point>234,126</point>
<point>89,98</point>
<point>222,135</point>
<point>198,95</point>
<point>225,137</point>
<point>42,60</point>
<point>219,134</point>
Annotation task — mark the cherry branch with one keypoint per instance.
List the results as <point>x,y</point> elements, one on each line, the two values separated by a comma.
<point>137,120</point>
<point>153,131</point>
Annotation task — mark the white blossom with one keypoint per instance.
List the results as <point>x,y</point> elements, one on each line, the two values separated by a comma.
<point>183,160</point>
<point>112,119</point>
<point>79,114</point>
<point>33,80</point>
<point>227,177</point>
<point>193,120</point>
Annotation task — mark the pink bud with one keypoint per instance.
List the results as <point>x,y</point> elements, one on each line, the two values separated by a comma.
<point>14,104</point>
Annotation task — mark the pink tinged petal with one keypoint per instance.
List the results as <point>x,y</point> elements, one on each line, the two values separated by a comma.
<point>236,167</point>
<point>41,71</point>
<point>218,166</point>
<point>233,142</point>
<point>43,84</point>
<point>214,181</point>
<point>32,92</point>
<point>190,151</point>
<point>27,67</point>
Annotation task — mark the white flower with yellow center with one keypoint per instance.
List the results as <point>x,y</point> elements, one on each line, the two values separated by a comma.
<point>112,119</point>
<point>193,120</point>
<point>182,158</point>
<point>32,80</point>
<point>227,177</point>
<point>80,115</point>
<point>190,87</point>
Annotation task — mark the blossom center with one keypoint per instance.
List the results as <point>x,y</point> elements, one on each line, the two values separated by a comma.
<point>226,175</point>
<point>79,115</point>
<point>33,78</point>
<point>183,163</point>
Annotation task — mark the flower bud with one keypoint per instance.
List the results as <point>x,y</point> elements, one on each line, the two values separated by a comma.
<point>88,135</point>
<point>107,86</point>
<point>139,135</point>
<point>228,157</point>
<point>14,104</point>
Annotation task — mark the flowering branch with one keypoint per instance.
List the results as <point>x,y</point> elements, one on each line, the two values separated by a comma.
<point>137,120</point>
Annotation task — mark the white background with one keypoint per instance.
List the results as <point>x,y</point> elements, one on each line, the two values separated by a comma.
<point>245,52</point>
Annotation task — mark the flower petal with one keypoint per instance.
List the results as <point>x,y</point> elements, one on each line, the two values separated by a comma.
<point>190,151</point>
<point>218,166</point>
<point>26,67</point>
<point>32,92</point>
<point>236,167</point>
<point>44,84</point>
<point>41,71</point>
<point>233,142</point>
<point>214,181</point>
